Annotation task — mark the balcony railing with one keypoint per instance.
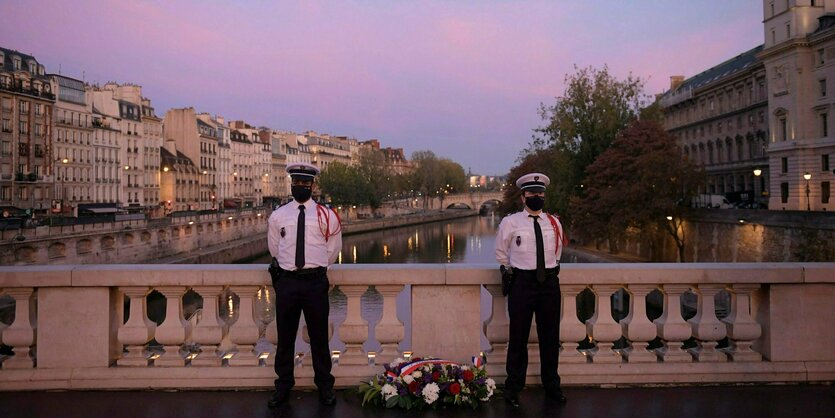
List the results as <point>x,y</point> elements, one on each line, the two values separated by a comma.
<point>779,327</point>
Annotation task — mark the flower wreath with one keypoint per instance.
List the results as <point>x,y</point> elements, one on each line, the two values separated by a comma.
<point>428,382</point>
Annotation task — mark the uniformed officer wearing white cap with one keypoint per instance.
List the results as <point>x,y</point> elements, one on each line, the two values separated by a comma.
<point>530,242</point>
<point>304,238</point>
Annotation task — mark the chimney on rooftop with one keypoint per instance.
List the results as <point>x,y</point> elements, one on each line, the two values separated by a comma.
<point>676,81</point>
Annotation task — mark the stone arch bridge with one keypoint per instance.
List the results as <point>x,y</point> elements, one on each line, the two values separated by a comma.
<point>471,200</point>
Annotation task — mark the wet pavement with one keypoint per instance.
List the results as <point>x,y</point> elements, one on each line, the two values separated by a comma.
<point>713,401</point>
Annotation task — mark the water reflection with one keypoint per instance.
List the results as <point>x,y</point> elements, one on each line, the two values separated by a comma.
<point>468,240</point>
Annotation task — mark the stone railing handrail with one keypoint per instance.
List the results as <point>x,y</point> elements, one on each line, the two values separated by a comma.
<point>427,274</point>
<point>88,326</point>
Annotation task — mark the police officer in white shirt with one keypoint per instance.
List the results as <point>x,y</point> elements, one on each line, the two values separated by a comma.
<point>304,238</point>
<point>530,243</point>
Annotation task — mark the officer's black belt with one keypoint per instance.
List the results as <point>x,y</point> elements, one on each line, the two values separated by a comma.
<point>311,272</point>
<point>532,273</point>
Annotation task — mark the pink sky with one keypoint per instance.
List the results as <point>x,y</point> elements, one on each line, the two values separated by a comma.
<point>461,78</point>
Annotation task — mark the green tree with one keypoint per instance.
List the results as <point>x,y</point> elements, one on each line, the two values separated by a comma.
<point>582,123</point>
<point>340,182</point>
<point>640,181</point>
<point>427,176</point>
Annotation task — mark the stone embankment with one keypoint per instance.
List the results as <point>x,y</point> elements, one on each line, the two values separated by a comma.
<point>256,245</point>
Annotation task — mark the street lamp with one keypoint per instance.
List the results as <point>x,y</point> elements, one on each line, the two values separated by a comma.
<point>807,176</point>
<point>62,161</point>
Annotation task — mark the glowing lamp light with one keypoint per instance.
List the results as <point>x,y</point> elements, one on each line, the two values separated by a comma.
<point>807,176</point>
<point>757,172</point>
<point>191,222</point>
<point>669,218</point>
<point>165,169</point>
<point>230,218</point>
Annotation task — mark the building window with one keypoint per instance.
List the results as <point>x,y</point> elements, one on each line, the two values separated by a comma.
<point>784,165</point>
<point>784,192</point>
<point>773,37</point>
<point>824,192</point>
<point>23,127</point>
<point>824,124</point>
<point>788,30</point>
<point>17,64</point>
<point>822,85</point>
<point>24,107</point>
<point>784,130</point>
<point>7,125</point>
<point>5,193</point>
<point>820,57</point>
<point>825,162</point>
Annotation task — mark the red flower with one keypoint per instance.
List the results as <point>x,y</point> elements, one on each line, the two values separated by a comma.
<point>455,388</point>
<point>413,387</point>
<point>468,376</point>
<point>436,376</point>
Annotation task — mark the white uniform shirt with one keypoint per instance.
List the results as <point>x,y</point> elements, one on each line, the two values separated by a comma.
<point>317,252</point>
<point>516,241</point>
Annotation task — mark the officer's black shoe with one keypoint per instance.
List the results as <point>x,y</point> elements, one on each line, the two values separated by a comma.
<point>279,397</point>
<point>512,399</point>
<point>327,397</point>
<point>556,395</point>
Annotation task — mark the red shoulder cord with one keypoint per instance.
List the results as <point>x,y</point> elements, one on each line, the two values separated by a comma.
<point>325,227</point>
<point>559,236</point>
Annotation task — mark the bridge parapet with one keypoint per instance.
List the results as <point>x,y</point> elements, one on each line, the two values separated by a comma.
<point>70,329</point>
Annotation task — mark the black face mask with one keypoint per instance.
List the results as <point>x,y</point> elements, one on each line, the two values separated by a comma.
<point>301,193</point>
<point>535,203</point>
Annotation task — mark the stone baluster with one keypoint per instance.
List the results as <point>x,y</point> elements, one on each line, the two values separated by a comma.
<point>672,327</point>
<point>244,332</point>
<point>389,331</point>
<point>742,329</point>
<point>210,329</point>
<point>354,331</point>
<point>706,327</point>
<point>175,330</point>
<point>138,330</point>
<point>602,327</point>
<point>20,335</point>
<point>497,328</point>
<point>637,327</point>
<point>571,329</point>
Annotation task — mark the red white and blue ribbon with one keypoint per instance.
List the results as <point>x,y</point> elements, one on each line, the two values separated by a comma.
<point>408,369</point>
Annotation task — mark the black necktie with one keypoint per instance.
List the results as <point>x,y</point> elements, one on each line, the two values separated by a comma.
<point>300,239</point>
<point>540,250</point>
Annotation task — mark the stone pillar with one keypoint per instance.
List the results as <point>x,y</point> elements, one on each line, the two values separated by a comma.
<point>571,329</point>
<point>210,329</point>
<point>389,331</point>
<point>706,327</point>
<point>742,329</point>
<point>671,326</point>
<point>442,321</point>
<point>20,335</point>
<point>354,331</point>
<point>602,327</point>
<point>497,329</point>
<point>77,327</point>
<point>244,332</point>
<point>173,332</point>
<point>636,326</point>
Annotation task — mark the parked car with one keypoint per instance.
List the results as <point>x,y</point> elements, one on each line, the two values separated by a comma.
<point>750,204</point>
<point>715,201</point>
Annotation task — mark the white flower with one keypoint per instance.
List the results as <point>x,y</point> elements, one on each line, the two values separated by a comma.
<point>426,369</point>
<point>491,384</point>
<point>417,374</point>
<point>430,393</point>
<point>408,379</point>
<point>465,367</point>
<point>397,362</point>
<point>388,391</point>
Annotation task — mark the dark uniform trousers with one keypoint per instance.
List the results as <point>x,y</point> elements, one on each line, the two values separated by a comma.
<point>295,293</point>
<point>527,298</point>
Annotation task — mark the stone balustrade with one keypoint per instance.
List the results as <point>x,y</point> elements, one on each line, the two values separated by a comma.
<point>88,327</point>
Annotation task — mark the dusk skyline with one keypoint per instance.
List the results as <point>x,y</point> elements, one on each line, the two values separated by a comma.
<point>464,80</point>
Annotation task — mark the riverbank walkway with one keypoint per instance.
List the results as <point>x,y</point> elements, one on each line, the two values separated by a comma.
<point>783,401</point>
